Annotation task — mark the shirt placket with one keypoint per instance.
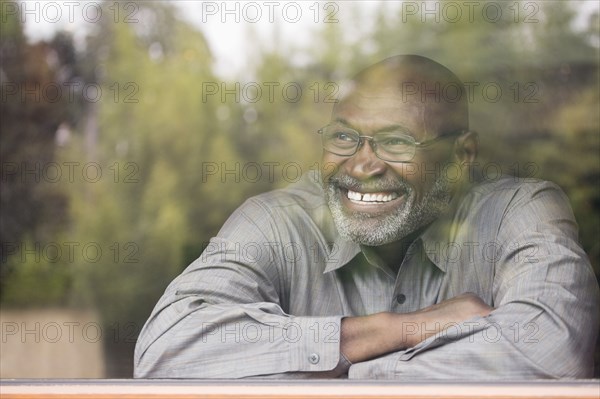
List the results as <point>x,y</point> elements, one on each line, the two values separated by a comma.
<point>417,283</point>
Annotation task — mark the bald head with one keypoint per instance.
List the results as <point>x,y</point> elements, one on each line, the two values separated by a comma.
<point>431,94</point>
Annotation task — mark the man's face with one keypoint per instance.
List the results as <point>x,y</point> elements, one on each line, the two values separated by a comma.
<point>375,202</point>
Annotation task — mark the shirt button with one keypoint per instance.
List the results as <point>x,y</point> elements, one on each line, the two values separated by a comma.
<point>313,358</point>
<point>401,298</point>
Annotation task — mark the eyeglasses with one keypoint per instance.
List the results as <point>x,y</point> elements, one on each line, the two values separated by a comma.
<point>394,146</point>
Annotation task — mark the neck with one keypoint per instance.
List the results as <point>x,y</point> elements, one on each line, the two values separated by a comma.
<point>393,253</point>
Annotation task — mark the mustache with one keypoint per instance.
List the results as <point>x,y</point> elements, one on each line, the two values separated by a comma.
<point>374,184</point>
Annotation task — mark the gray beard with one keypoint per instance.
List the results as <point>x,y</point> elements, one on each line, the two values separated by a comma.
<point>373,230</point>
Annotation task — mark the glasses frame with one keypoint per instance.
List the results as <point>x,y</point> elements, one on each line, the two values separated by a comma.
<point>363,138</point>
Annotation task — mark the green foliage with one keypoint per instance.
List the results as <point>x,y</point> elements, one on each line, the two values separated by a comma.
<point>36,280</point>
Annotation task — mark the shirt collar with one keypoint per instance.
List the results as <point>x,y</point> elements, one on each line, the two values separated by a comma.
<point>341,253</point>
<point>438,238</point>
<point>435,240</point>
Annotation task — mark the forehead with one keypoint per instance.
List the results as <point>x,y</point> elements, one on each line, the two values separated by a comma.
<point>373,110</point>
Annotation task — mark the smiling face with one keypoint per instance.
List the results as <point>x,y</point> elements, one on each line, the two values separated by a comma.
<point>375,202</point>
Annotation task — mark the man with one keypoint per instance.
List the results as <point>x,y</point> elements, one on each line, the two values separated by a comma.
<point>393,264</point>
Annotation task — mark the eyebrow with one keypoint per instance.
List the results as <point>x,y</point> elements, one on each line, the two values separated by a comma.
<point>386,129</point>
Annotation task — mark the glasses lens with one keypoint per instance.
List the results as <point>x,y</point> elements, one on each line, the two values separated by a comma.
<point>392,146</point>
<point>395,146</point>
<point>339,140</point>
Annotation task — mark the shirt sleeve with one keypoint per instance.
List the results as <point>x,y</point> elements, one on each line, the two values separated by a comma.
<point>545,296</point>
<point>223,317</point>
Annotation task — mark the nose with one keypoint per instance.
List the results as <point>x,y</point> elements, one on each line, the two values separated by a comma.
<point>365,164</point>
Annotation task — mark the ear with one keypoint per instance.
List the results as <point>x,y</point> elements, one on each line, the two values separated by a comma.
<point>466,147</point>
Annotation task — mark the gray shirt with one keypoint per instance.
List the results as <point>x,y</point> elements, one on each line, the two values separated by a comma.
<point>267,295</point>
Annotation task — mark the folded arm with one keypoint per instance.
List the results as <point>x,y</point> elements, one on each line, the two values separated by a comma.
<point>545,317</point>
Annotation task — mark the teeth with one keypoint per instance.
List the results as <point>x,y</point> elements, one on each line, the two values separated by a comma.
<point>371,197</point>
<point>354,195</point>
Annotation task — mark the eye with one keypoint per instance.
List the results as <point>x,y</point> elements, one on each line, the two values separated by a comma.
<point>343,136</point>
<point>394,141</point>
